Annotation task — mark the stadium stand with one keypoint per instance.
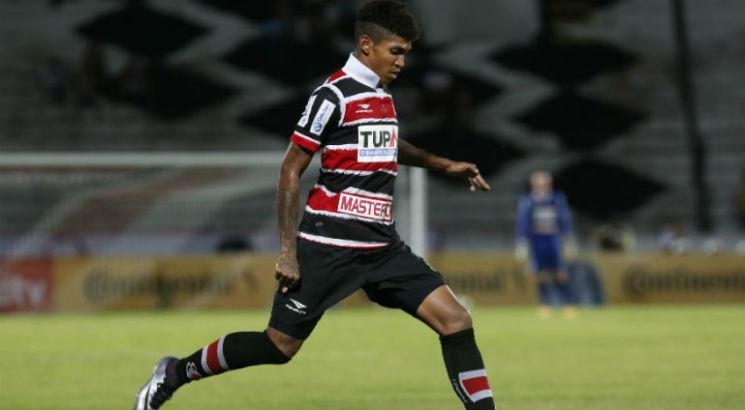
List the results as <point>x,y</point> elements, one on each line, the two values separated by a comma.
<point>606,121</point>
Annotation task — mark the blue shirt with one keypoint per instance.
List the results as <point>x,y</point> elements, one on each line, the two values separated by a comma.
<point>545,217</point>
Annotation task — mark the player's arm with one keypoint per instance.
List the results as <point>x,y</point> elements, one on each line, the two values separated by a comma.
<point>295,162</point>
<point>309,135</point>
<point>416,157</point>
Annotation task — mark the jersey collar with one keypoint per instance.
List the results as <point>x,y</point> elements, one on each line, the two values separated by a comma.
<point>361,72</point>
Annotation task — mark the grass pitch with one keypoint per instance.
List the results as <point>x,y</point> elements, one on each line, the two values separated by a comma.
<point>621,358</point>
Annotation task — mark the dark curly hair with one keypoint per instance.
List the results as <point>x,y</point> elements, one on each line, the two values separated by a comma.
<point>379,18</point>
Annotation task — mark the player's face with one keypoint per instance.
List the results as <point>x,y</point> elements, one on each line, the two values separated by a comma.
<point>387,57</point>
<point>540,182</point>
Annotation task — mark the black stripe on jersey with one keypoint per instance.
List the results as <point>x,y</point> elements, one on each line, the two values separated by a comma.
<point>349,87</point>
<point>345,135</point>
<point>346,229</point>
<point>379,182</point>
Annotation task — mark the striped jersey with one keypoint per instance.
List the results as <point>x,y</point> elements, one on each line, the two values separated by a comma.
<point>352,121</point>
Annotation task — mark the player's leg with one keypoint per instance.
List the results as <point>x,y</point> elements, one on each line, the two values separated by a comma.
<point>546,261</point>
<point>230,352</point>
<point>236,351</point>
<point>465,366</point>
<point>562,282</point>
<point>543,286</point>
<point>406,282</point>
<point>566,294</point>
<point>294,316</point>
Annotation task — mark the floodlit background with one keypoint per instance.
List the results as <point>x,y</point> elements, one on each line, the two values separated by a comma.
<point>636,112</point>
<point>140,144</point>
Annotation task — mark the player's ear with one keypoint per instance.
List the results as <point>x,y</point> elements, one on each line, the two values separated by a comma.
<point>365,44</point>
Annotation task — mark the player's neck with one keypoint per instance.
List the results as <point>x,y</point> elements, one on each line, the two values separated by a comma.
<point>365,60</point>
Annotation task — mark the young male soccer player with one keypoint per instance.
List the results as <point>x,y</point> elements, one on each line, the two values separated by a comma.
<point>347,239</point>
<point>544,227</point>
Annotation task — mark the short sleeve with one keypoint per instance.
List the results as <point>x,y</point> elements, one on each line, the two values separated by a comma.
<point>318,120</point>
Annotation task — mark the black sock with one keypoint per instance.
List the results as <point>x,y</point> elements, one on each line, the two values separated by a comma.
<point>230,352</point>
<point>566,294</point>
<point>466,370</point>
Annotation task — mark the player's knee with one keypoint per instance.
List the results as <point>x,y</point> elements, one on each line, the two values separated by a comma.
<point>456,321</point>
<point>288,345</point>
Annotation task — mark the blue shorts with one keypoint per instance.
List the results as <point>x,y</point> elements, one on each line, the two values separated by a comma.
<point>545,254</point>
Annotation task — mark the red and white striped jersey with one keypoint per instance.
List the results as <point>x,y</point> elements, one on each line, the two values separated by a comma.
<point>352,121</point>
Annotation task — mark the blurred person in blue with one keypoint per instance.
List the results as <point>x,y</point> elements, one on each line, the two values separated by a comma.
<point>544,238</point>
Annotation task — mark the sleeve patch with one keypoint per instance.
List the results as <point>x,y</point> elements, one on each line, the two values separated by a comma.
<point>322,117</point>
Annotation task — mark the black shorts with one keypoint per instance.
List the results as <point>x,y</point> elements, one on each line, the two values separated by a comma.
<point>391,276</point>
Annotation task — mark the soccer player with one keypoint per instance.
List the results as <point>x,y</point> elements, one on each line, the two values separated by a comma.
<point>347,239</point>
<point>543,231</point>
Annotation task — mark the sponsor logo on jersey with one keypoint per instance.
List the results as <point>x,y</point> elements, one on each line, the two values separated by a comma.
<point>545,220</point>
<point>365,207</point>
<point>306,113</point>
<point>363,109</point>
<point>377,143</point>
<point>322,117</point>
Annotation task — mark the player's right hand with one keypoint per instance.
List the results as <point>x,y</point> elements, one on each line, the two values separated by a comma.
<point>287,272</point>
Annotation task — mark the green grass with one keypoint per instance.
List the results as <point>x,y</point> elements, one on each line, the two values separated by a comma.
<point>640,358</point>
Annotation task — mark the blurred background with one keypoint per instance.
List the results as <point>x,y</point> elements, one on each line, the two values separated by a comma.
<point>139,137</point>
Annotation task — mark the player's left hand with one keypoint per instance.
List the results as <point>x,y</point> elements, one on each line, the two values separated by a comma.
<point>569,248</point>
<point>470,172</point>
<point>287,272</point>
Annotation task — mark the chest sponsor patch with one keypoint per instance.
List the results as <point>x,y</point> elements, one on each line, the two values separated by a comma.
<point>322,117</point>
<point>377,209</point>
<point>377,143</point>
<point>545,219</point>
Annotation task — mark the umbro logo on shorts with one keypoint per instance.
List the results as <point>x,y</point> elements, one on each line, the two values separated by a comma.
<point>296,307</point>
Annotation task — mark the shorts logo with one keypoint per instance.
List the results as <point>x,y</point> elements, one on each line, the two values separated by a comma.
<point>296,307</point>
<point>377,143</point>
<point>306,113</point>
<point>365,207</point>
<point>322,117</point>
<point>191,371</point>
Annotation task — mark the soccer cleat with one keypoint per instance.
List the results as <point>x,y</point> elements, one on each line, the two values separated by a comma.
<point>156,390</point>
<point>570,312</point>
<point>545,312</point>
